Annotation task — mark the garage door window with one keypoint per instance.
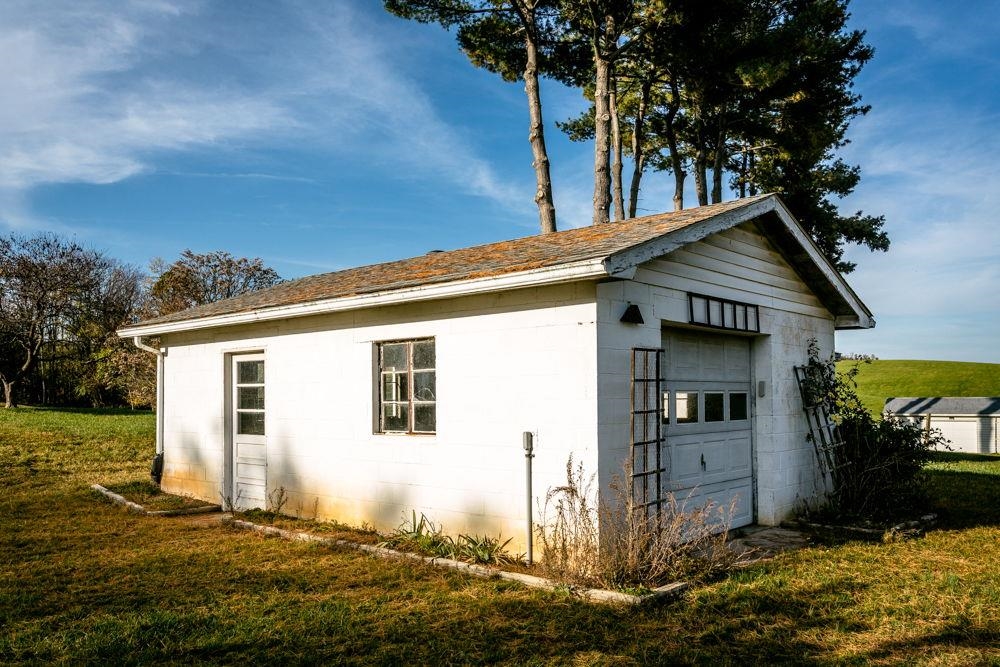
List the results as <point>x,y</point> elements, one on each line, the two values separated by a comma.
<point>717,405</point>
<point>738,406</point>
<point>715,408</point>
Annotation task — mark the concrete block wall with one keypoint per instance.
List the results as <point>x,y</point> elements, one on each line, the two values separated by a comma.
<point>509,362</point>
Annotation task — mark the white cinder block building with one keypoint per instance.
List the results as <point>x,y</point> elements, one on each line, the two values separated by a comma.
<point>367,393</point>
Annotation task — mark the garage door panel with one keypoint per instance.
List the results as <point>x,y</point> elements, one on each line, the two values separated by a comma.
<point>713,361</point>
<point>723,497</point>
<point>682,355</point>
<point>710,461</point>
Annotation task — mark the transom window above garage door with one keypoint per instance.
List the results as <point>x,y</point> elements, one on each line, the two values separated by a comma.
<point>705,406</point>
<point>710,311</point>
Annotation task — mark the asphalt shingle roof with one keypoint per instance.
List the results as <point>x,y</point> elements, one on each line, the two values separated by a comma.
<point>483,261</point>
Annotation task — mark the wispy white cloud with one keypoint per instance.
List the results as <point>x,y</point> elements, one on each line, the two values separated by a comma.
<point>932,171</point>
<point>94,92</point>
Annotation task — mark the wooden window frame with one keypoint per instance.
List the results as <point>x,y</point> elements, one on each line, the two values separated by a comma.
<point>729,313</point>
<point>411,402</point>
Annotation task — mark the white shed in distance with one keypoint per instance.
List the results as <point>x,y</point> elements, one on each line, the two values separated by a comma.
<point>971,424</point>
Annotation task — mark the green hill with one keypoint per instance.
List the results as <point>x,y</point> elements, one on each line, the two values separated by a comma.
<point>899,377</point>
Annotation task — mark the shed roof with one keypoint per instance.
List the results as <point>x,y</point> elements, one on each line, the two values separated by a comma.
<point>612,249</point>
<point>944,405</point>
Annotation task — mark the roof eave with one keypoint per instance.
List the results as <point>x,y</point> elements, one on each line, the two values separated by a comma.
<point>563,273</point>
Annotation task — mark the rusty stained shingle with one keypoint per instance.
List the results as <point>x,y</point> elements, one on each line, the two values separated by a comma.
<point>483,261</point>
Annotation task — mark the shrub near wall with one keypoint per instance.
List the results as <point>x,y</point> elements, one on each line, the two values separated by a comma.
<point>878,466</point>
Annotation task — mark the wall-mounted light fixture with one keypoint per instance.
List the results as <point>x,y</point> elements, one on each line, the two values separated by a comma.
<point>632,315</point>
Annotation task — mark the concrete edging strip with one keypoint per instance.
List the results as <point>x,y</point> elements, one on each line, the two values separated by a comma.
<point>139,509</point>
<point>659,594</point>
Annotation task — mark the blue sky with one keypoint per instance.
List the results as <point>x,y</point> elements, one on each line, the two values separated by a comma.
<point>321,136</point>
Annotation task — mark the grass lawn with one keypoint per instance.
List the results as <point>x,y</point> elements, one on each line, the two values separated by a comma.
<point>891,377</point>
<point>83,581</point>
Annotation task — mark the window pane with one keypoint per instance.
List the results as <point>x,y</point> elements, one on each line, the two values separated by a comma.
<point>715,313</point>
<point>250,423</point>
<point>394,356</point>
<point>395,417</point>
<point>424,418</point>
<point>730,320</point>
<point>250,372</point>
<point>737,406</point>
<point>423,354</point>
<point>394,387</point>
<point>250,398</point>
<point>424,386</point>
<point>666,407</point>
<point>686,407</point>
<point>741,317</point>
<point>699,310</point>
<point>714,408</point>
<point>752,319</point>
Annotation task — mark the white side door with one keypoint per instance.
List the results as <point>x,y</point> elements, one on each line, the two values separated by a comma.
<point>707,421</point>
<point>249,440</point>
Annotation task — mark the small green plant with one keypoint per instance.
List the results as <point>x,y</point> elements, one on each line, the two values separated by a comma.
<point>424,537</point>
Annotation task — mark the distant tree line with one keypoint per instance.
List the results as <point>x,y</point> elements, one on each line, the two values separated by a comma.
<point>753,94</point>
<point>61,304</point>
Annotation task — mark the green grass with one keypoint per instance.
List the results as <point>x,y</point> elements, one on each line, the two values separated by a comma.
<point>84,581</point>
<point>887,378</point>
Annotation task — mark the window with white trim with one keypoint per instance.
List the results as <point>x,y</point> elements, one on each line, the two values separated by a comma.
<point>407,388</point>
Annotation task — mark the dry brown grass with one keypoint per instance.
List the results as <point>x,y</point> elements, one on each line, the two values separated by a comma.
<point>613,544</point>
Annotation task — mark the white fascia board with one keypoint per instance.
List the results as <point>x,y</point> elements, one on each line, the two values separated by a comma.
<point>581,270</point>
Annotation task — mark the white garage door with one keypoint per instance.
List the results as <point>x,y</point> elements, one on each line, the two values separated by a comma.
<point>962,432</point>
<point>707,425</point>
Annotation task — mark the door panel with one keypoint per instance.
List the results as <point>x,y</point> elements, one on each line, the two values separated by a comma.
<point>709,449</point>
<point>249,435</point>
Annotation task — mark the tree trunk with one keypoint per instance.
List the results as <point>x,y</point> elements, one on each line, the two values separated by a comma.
<point>676,163</point>
<point>638,140</point>
<point>616,151</point>
<point>8,394</point>
<point>743,172</point>
<point>701,176</point>
<point>602,130</point>
<point>718,166</point>
<point>536,135</point>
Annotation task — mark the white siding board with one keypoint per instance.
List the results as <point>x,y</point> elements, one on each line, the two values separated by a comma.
<point>756,251</point>
<point>734,290</point>
<point>727,275</point>
<point>736,259</point>
<point>740,271</point>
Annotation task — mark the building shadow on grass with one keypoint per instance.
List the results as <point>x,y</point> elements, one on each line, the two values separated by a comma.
<point>963,496</point>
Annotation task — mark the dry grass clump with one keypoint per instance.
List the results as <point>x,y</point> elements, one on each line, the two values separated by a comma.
<point>619,545</point>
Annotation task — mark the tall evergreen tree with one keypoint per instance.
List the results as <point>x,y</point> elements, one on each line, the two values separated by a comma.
<point>510,38</point>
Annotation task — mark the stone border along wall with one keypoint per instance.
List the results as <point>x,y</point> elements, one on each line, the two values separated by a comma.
<point>139,509</point>
<point>662,593</point>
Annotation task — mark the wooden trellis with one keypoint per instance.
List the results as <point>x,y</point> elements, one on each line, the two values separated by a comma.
<point>646,426</point>
<point>823,432</point>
